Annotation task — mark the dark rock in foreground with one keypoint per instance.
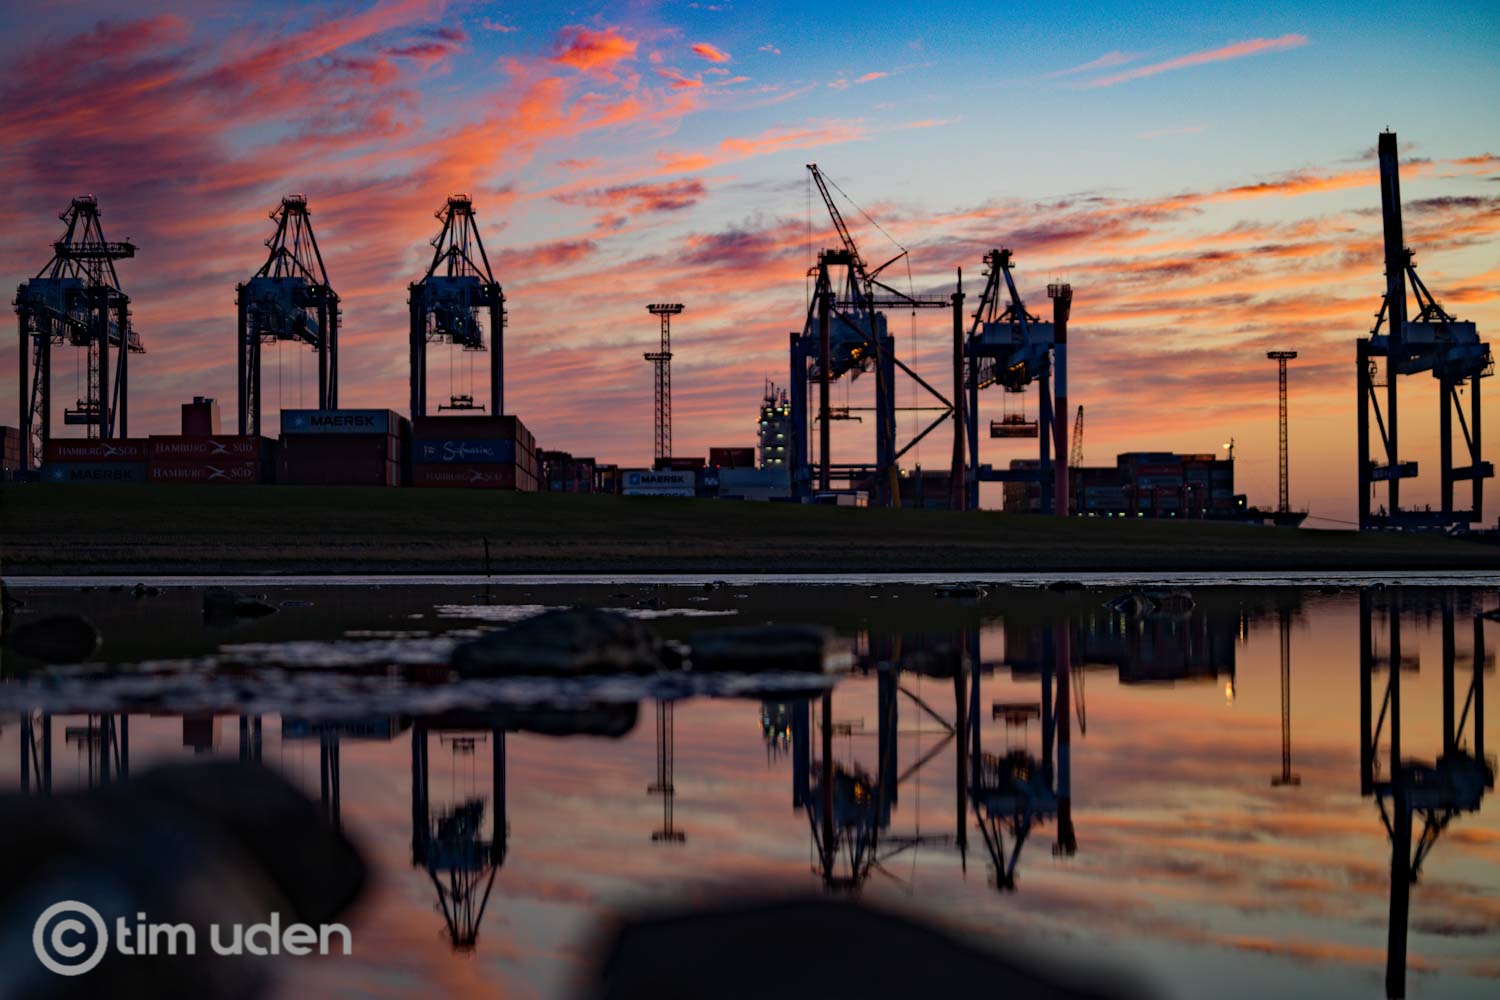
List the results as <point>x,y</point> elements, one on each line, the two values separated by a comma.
<point>196,844</point>
<point>55,639</point>
<point>563,643</point>
<point>817,949</point>
<point>760,648</point>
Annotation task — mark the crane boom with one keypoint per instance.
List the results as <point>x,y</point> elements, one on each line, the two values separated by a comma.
<point>838,220</point>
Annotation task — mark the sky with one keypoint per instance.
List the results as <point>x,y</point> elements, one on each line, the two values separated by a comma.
<point>1204,177</point>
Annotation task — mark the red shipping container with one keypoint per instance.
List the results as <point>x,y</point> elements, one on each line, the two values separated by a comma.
<point>489,476</point>
<point>186,448</point>
<point>95,450</point>
<point>732,458</point>
<point>220,471</point>
<point>340,472</point>
<point>342,447</point>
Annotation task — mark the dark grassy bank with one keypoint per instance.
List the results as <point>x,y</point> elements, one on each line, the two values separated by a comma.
<point>246,529</point>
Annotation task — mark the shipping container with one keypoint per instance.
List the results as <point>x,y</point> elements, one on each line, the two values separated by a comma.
<point>337,447</point>
<point>425,451</point>
<point>493,476</point>
<point>678,464</point>
<point>243,471</point>
<point>223,446</point>
<point>339,472</point>
<point>732,458</point>
<point>341,422</point>
<point>95,450</point>
<point>200,418</point>
<point>490,428</point>
<point>650,482</point>
<point>94,472</point>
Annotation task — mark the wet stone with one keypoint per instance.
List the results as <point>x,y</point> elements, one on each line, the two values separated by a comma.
<point>563,643</point>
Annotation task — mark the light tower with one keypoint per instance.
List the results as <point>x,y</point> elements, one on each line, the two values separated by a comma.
<point>76,301</point>
<point>1283,502</point>
<point>662,359</point>
<point>289,298</point>
<point>664,785</point>
<point>448,304</point>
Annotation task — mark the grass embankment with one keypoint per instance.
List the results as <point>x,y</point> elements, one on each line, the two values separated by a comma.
<point>55,529</point>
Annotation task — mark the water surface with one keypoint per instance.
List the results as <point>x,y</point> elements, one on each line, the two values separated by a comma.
<point>1181,792</point>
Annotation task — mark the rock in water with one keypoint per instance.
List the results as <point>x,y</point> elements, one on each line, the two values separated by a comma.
<point>198,845</point>
<point>759,648</point>
<point>1064,586</point>
<point>56,639</point>
<point>220,604</point>
<point>1172,602</point>
<point>1132,604</point>
<point>563,643</point>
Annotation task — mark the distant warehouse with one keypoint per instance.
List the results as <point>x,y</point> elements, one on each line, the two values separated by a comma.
<point>1142,484</point>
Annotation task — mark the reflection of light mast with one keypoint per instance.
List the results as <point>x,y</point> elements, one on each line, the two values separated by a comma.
<point>1286,777</point>
<point>663,785</point>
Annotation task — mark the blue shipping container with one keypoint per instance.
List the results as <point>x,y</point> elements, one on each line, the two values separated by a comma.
<point>94,472</point>
<point>463,451</point>
<point>336,422</point>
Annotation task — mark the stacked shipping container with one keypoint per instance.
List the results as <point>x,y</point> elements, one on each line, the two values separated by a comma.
<point>473,452</point>
<point>10,450</point>
<point>94,460</point>
<point>563,473</point>
<point>216,459</point>
<point>342,447</point>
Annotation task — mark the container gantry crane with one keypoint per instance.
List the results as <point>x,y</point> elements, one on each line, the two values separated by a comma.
<point>1434,341</point>
<point>288,299</point>
<point>448,305</point>
<point>845,333</point>
<point>1009,347</point>
<point>76,301</point>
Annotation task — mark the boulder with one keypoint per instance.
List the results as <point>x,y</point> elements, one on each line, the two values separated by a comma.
<point>220,604</point>
<point>761,648</point>
<point>1064,586</point>
<point>1131,604</point>
<point>55,639</point>
<point>568,642</point>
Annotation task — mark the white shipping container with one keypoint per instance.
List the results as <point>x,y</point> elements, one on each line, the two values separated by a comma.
<point>665,483</point>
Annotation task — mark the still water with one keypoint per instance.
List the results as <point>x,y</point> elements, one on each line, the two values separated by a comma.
<point>1197,791</point>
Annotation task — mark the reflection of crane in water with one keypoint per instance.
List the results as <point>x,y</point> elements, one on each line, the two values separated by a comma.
<point>776,728</point>
<point>103,743</point>
<point>849,810</point>
<point>1015,792</point>
<point>451,844</point>
<point>1437,792</point>
<point>1284,629</point>
<point>663,785</point>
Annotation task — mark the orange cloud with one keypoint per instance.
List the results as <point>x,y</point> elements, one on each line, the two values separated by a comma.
<point>712,53</point>
<point>593,51</point>
<point>680,82</point>
<point>1238,50</point>
<point>871,77</point>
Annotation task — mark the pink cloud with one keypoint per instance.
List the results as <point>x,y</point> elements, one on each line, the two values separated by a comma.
<point>871,77</point>
<point>1238,50</point>
<point>593,51</point>
<point>712,53</point>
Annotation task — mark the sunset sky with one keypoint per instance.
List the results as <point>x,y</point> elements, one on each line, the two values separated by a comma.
<point>1205,179</point>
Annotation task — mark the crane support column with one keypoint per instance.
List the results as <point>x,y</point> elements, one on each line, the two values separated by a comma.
<point>23,323</point>
<point>1062,305</point>
<point>958,490</point>
<point>1365,392</point>
<point>825,365</point>
<point>1395,297</point>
